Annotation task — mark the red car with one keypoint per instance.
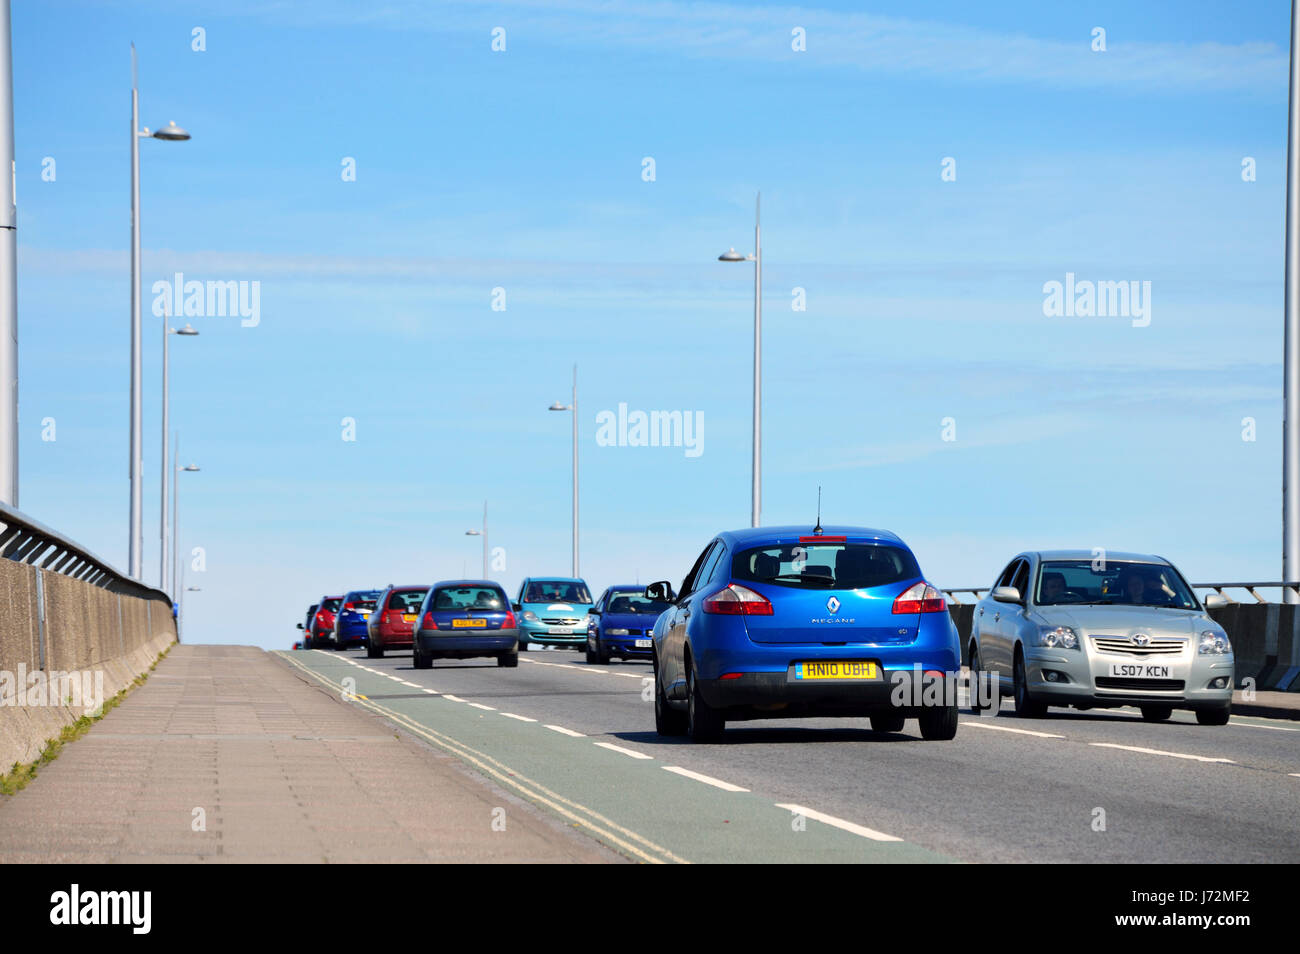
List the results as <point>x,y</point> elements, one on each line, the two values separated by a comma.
<point>392,624</point>
<point>322,624</point>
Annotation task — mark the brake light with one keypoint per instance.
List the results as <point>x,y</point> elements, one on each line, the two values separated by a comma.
<point>350,606</point>
<point>920,598</point>
<point>428,622</point>
<point>823,539</point>
<point>737,600</point>
<point>320,617</point>
<point>510,620</point>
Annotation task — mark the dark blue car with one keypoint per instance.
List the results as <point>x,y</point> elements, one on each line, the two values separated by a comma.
<point>350,625</point>
<point>621,624</point>
<point>460,619</point>
<point>779,622</point>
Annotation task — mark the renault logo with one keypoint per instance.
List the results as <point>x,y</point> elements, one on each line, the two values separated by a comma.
<point>1140,639</point>
<point>833,605</point>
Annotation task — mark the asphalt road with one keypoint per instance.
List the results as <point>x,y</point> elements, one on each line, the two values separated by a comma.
<point>1078,787</point>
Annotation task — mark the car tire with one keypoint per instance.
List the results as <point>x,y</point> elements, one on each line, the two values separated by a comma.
<point>591,654</point>
<point>508,660</point>
<point>938,723</point>
<point>523,645</point>
<point>703,722</point>
<point>602,654</point>
<point>972,692</point>
<point>421,660</point>
<point>887,723</point>
<point>1027,707</point>
<point>373,651</point>
<point>668,721</point>
<point>1214,716</point>
<point>1156,713</point>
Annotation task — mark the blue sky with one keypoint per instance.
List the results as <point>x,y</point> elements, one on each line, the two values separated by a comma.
<point>522,170</point>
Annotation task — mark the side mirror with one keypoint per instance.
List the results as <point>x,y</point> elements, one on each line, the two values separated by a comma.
<point>300,625</point>
<point>1006,594</point>
<point>593,612</point>
<point>515,607</point>
<point>1216,601</point>
<point>661,592</point>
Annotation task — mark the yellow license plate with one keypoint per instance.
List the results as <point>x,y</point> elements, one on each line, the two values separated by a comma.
<point>468,623</point>
<point>408,617</point>
<point>836,670</point>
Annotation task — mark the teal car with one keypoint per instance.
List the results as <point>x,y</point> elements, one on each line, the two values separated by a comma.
<point>552,610</point>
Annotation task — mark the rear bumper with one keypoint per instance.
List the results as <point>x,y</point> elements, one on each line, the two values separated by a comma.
<point>391,637</point>
<point>439,643</point>
<point>767,695</point>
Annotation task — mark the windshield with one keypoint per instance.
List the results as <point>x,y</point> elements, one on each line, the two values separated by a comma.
<point>846,566</point>
<point>469,597</point>
<point>1131,584</point>
<point>557,591</point>
<point>635,603</point>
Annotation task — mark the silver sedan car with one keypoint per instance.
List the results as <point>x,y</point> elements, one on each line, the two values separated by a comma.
<point>1093,628</point>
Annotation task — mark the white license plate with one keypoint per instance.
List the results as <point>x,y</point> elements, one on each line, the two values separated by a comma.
<point>1140,670</point>
<point>643,644</point>
<point>562,631</point>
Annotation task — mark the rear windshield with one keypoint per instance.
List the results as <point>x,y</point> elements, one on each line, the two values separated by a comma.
<point>468,597</point>
<point>635,603</point>
<point>844,566</point>
<point>556,591</point>
<point>408,601</point>
<point>331,606</point>
<point>363,600</point>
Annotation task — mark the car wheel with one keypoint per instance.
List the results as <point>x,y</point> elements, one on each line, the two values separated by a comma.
<point>421,660</point>
<point>1157,713</point>
<point>508,660</point>
<point>373,651</point>
<point>703,722</point>
<point>602,654</point>
<point>523,645</point>
<point>1027,707</point>
<point>938,723</point>
<point>1214,716</point>
<point>591,654</point>
<point>972,684</point>
<point>887,723</point>
<point>668,721</point>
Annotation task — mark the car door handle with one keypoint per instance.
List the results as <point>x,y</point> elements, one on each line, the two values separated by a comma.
<point>981,611</point>
<point>996,617</point>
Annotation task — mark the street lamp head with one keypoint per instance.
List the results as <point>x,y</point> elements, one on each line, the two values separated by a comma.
<point>473,533</point>
<point>194,589</point>
<point>731,255</point>
<point>557,406</point>
<point>189,467</point>
<point>171,132</point>
<point>187,330</point>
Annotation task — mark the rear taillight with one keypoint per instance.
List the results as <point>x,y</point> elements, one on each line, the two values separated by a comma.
<point>350,606</point>
<point>428,622</point>
<point>510,620</point>
<point>320,617</point>
<point>737,600</point>
<point>920,598</point>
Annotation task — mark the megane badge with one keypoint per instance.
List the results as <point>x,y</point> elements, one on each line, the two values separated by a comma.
<point>833,605</point>
<point>1140,639</point>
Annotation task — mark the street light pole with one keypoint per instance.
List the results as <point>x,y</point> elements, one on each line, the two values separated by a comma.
<point>731,255</point>
<point>1291,333</point>
<point>164,558</point>
<point>8,275</point>
<point>172,132</point>
<point>484,534</point>
<point>557,406</point>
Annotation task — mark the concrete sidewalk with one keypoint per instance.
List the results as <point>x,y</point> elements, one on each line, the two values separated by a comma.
<point>1270,705</point>
<point>281,770</point>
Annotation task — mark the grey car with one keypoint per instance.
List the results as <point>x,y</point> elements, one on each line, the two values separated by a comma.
<point>1096,629</point>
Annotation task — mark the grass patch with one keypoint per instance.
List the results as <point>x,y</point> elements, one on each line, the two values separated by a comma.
<point>17,778</point>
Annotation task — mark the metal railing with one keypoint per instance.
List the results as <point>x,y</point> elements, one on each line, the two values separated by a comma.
<point>1250,588</point>
<point>24,540</point>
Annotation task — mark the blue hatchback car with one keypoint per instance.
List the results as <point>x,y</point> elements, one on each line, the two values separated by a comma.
<point>621,624</point>
<point>350,625</point>
<point>461,619</point>
<point>779,622</point>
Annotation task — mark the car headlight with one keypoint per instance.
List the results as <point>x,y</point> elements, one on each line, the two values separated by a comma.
<point>1214,644</point>
<point>616,632</point>
<point>1058,637</point>
<point>530,616</point>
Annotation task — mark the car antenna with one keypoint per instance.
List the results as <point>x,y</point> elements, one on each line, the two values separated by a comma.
<point>817,530</point>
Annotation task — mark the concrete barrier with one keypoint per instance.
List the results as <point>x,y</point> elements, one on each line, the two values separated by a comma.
<point>53,624</point>
<point>1265,641</point>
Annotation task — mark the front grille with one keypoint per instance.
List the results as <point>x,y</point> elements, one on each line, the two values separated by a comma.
<point>561,622</point>
<point>1159,646</point>
<point>1151,685</point>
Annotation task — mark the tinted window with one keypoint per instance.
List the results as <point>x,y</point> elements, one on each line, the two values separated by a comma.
<point>408,601</point>
<point>556,591</point>
<point>1007,574</point>
<point>710,571</point>
<point>635,603</point>
<point>688,584</point>
<point>1135,584</point>
<point>848,566</point>
<point>1021,579</point>
<point>468,597</point>
<point>331,606</point>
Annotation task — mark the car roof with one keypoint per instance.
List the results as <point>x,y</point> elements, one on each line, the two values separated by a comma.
<point>554,579</point>
<point>791,533</point>
<point>404,588</point>
<point>626,587</point>
<point>467,583</point>
<point>1110,556</point>
<point>360,592</point>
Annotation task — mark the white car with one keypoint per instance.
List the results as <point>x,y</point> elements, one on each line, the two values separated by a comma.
<point>1075,628</point>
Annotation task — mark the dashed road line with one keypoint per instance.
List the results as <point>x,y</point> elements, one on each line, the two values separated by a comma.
<point>706,779</point>
<point>479,705</point>
<point>511,715</point>
<point>563,731</point>
<point>1172,755</point>
<point>840,823</point>
<point>1007,728</point>
<point>618,748</point>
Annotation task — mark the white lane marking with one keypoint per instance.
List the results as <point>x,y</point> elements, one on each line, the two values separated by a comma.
<point>706,779</point>
<point>1295,774</point>
<point>448,695</point>
<point>622,751</point>
<point>414,685</point>
<point>840,823</point>
<point>511,715</point>
<point>479,705</point>
<point>629,675</point>
<point>563,731</point>
<point>432,692</point>
<point>1256,725</point>
<point>1172,755</point>
<point>1007,728</point>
